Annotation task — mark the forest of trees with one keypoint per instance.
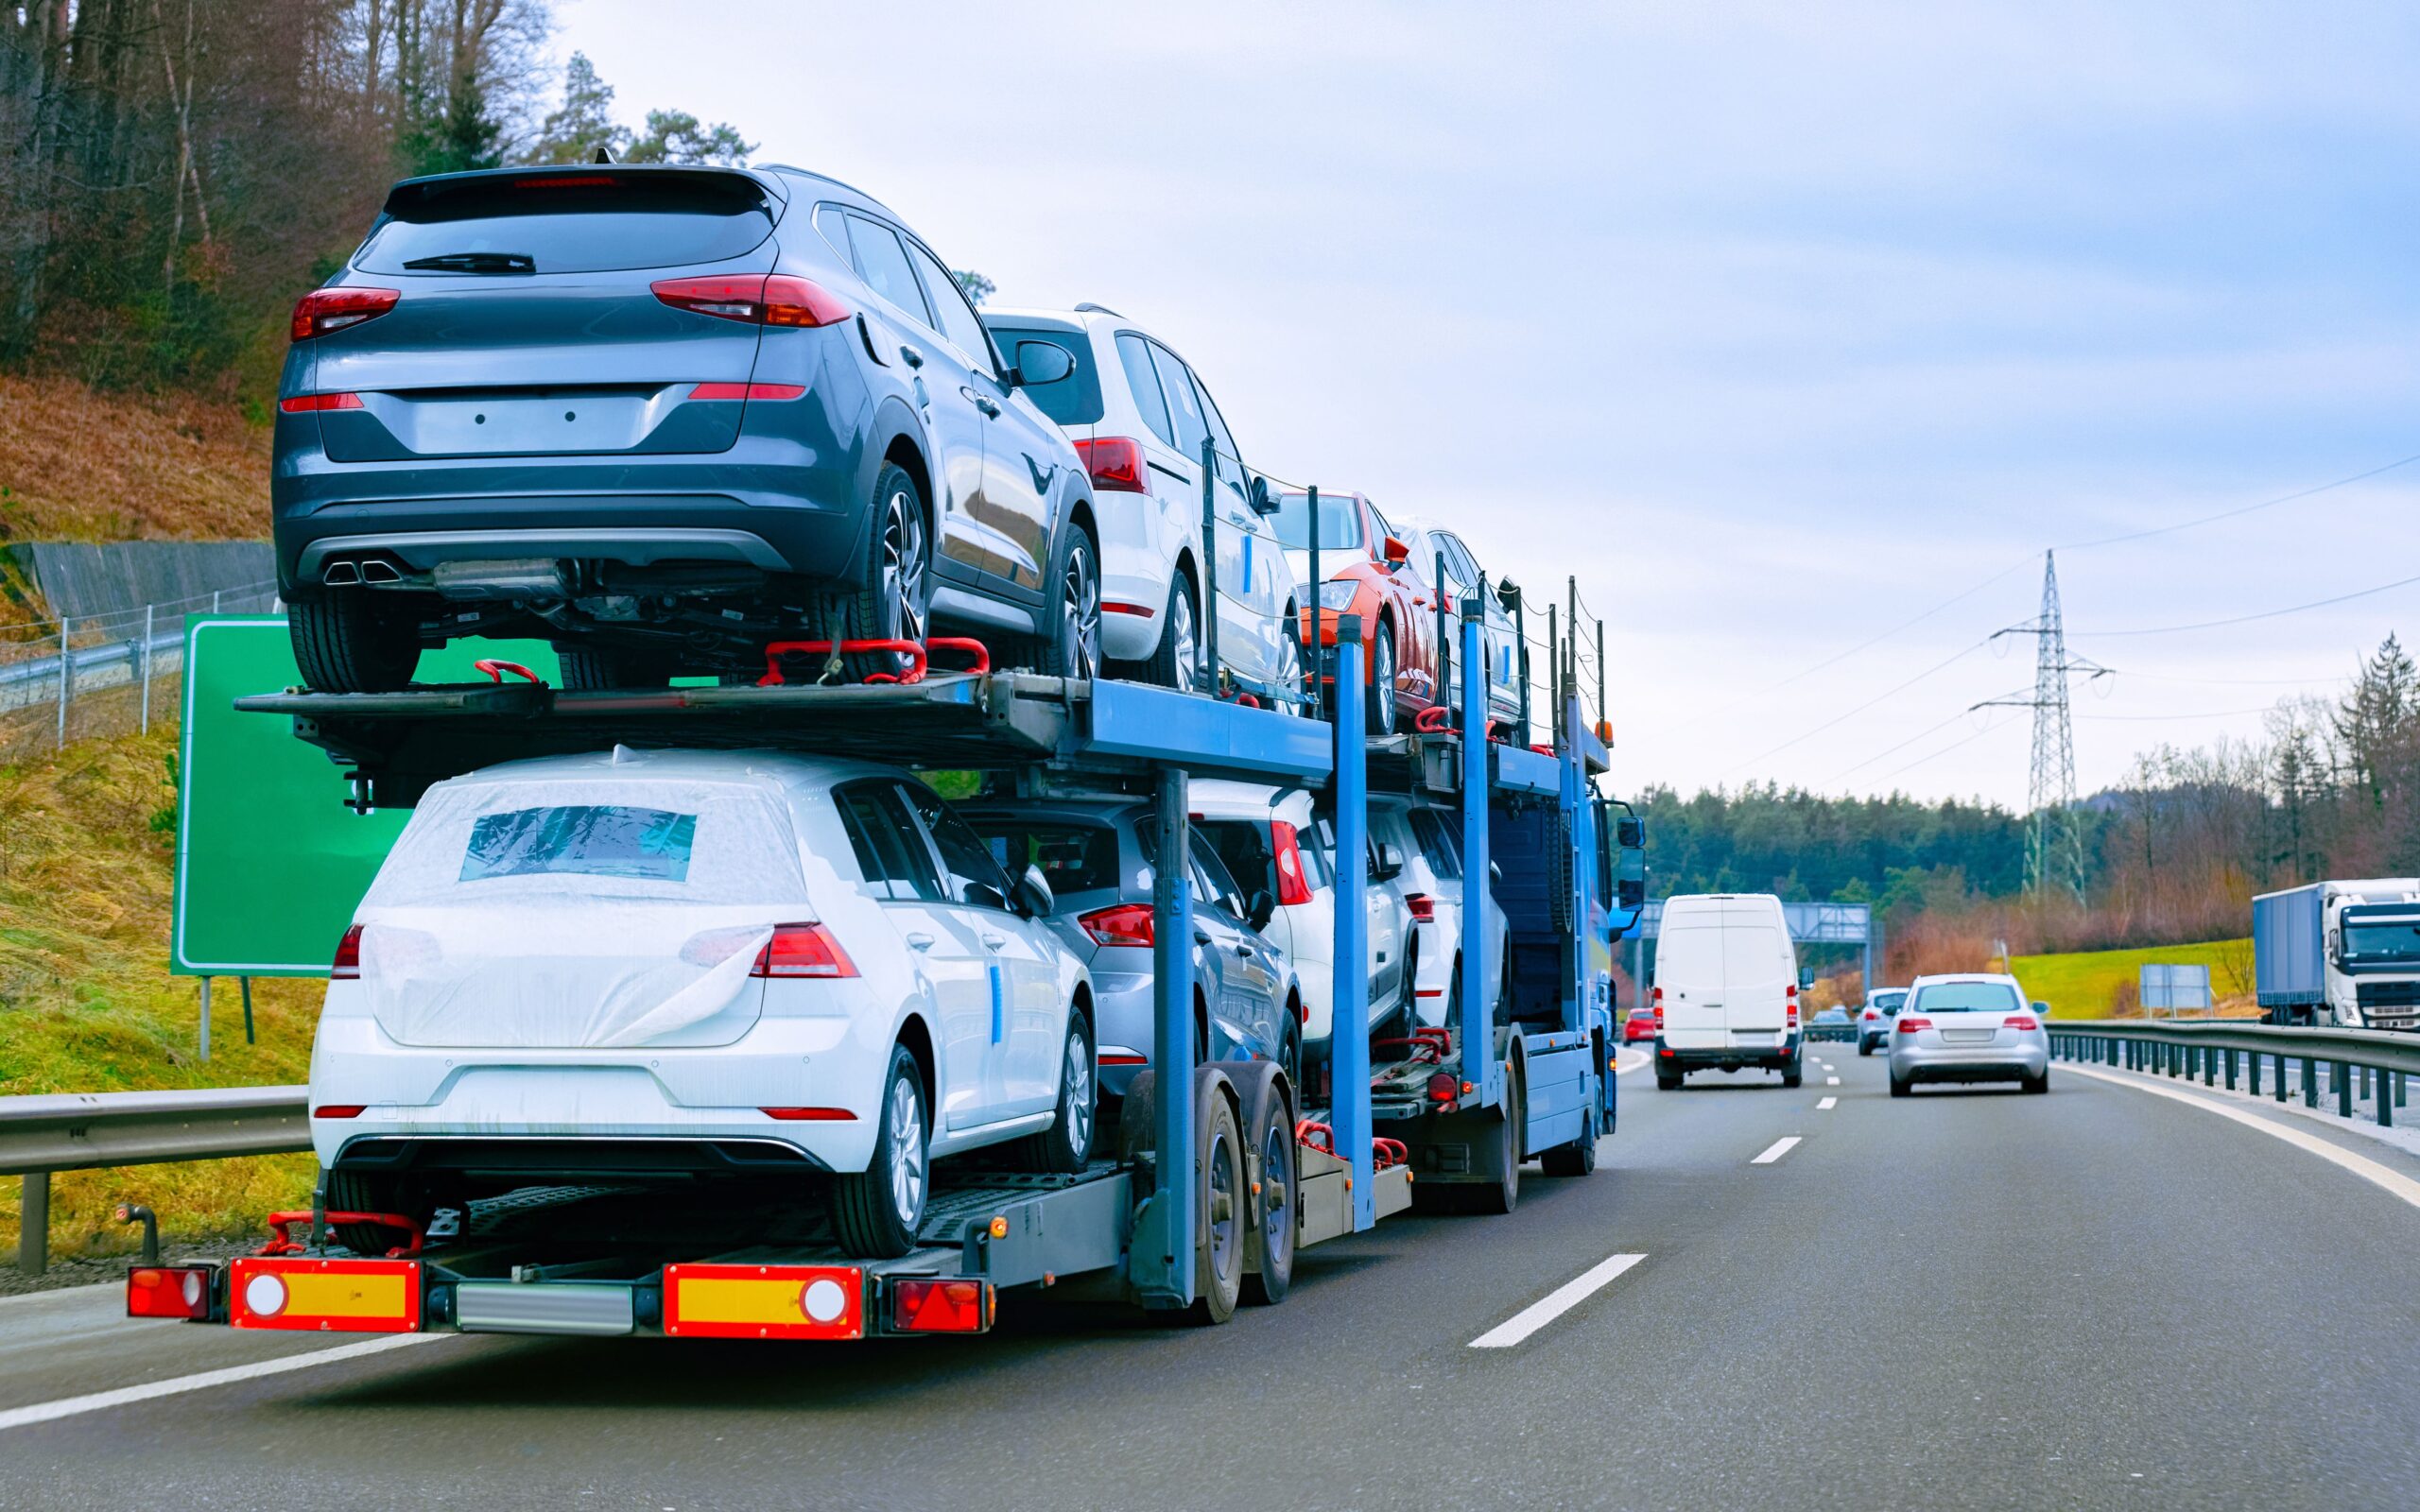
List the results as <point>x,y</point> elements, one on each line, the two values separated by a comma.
<point>173,173</point>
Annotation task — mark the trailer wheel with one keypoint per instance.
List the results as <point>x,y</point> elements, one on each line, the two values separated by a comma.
<point>1499,1196</point>
<point>877,1212</point>
<point>1269,1130</point>
<point>1220,1209</point>
<point>1577,1157</point>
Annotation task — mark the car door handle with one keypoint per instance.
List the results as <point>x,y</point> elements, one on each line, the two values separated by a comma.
<point>995,942</point>
<point>1200,936</point>
<point>911,357</point>
<point>981,402</point>
<point>918,940</point>
<point>1244,950</point>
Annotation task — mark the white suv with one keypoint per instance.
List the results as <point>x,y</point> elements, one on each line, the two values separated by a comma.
<point>1429,844</point>
<point>1138,416</point>
<point>690,966</point>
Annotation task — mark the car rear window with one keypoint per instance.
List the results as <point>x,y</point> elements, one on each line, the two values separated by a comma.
<point>572,222</point>
<point>1073,400</point>
<point>594,840</point>
<point>1966,997</point>
<point>1886,1002</point>
<point>1074,857</point>
<point>1340,522</point>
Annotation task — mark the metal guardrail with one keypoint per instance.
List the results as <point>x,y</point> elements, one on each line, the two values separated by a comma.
<point>80,1131</point>
<point>2355,1063</point>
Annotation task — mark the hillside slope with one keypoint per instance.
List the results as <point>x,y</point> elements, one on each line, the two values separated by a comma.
<point>80,465</point>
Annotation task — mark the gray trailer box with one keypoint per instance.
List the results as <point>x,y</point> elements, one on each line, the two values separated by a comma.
<point>2289,963</point>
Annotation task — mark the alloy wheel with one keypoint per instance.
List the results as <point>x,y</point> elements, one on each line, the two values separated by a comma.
<point>1382,683</point>
<point>1080,610</point>
<point>903,569</point>
<point>908,1143</point>
<point>1078,1079</point>
<point>1182,638</point>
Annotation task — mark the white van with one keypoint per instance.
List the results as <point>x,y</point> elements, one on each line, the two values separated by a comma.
<point>1726,988</point>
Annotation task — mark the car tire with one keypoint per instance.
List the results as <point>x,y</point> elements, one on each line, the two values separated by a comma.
<point>2037,1084</point>
<point>1577,1157</point>
<point>586,667</point>
<point>1794,1075</point>
<point>877,1213</point>
<point>1667,1081</point>
<point>349,640</point>
<point>1901,1087</point>
<point>1269,1132</point>
<point>1379,708</point>
<point>1290,662</point>
<point>1072,648</point>
<point>1290,1057</point>
<point>365,1192</point>
<point>1501,1196</point>
<point>1176,661</point>
<point>1218,1182</point>
<point>1066,1146</point>
<point>892,600</point>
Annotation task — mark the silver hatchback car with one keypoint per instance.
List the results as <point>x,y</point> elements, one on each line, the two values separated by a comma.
<point>1968,1028</point>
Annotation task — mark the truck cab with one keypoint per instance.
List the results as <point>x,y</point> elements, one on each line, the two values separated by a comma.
<point>2342,952</point>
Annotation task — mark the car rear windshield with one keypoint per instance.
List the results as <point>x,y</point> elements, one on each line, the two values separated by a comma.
<point>584,839</point>
<point>1074,856</point>
<point>1073,400</point>
<point>1340,522</point>
<point>1966,997</point>
<point>575,221</point>
<point>1886,1002</point>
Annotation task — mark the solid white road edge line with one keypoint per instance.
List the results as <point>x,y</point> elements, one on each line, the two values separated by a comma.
<point>1554,1304</point>
<point>2368,1169</point>
<point>1827,1105</point>
<point>1776,1150</point>
<point>42,1412</point>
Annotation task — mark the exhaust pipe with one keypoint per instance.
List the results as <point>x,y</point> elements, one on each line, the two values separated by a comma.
<point>380,571</point>
<point>341,575</point>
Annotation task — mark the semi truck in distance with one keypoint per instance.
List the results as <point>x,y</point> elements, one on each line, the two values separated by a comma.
<point>2340,953</point>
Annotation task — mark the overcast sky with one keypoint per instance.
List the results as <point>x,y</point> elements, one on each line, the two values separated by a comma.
<point>1779,324</point>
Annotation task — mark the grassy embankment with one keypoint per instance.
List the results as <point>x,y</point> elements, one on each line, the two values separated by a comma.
<point>2087,985</point>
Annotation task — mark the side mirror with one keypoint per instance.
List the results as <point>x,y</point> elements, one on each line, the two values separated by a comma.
<point>2042,1009</point>
<point>1629,892</point>
<point>1033,895</point>
<point>1508,595</point>
<point>1396,552</point>
<point>1806,979</point>
<point>1390,862</point>
<point>1631,833</point>
<point>1262,908</point>
<point>1495,872</point>
<point>1263,502</point>
<point>1041,362</point>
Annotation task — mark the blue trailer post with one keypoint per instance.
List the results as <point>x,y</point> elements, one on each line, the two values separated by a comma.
<point>1348,1035</point>
<point>1478,1015</point>
<point>1162,1269</point>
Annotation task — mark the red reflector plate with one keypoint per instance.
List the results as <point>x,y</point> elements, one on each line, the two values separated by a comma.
<point>763,1302</point>
<point>324,1296</point>
<point>167,1291</point>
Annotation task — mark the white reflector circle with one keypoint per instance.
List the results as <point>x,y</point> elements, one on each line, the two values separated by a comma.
<point>264,1295</point>
<point>193,1288</point>
<point>823,1299</point>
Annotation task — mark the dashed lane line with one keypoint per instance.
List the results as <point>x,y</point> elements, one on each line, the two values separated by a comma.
<point>2368,1169</point>
<point>1827,1105</point>
<point>42,1412</point>
<point>1554,1304</point>
<point>1831,1081</point>
<point>1776,1150</point>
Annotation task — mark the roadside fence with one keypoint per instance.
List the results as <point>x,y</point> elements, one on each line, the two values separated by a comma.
<point>112,674</point>
<point>2364,1070</point>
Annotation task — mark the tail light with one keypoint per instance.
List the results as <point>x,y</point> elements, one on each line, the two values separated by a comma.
<point>747,390</point>
<point>167,1291</point>
<point>1443,1085</point>
<point>1293,887</point>
<point>2020,1021</point>
<point>311,404</point>
<point>1789,1000</point>
<point>1119,924</point>
<point>1657,1001</point>
<point>323,311</point>
<point>348,962</point>
<point>803,950</point>
<point>339,1110</point>
<point>937,1306</point>
<point>1115,463</point>
<point>754,299</point>
<point>1424,908</point>
<point>1911,1025</point>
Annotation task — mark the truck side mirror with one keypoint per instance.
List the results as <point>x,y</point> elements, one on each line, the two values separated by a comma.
<point>1631,833</point>
<point>1631,892</point>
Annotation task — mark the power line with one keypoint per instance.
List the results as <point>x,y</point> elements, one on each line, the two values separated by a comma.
<point>2243,510</point>
<point>1945,750</point>
<point>2246,619</point>
<point>1809,734</point>
<point>1902,745</point>
<point>2213,714</point>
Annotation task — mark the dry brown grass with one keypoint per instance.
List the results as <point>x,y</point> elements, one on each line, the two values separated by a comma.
<point>82,465</point>
<point>86,1001</point>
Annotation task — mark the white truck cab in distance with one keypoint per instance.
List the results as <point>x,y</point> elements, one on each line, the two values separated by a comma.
<point>2343,952</point>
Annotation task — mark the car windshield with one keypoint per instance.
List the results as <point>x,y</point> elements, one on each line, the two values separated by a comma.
<point>1074,856</point>
<point>578,221</point>
<point>1886,1002</point>
<point>1340,522</point>
<point>1073,400</point>
<point>2372,944</point>
<point>1966,997</point>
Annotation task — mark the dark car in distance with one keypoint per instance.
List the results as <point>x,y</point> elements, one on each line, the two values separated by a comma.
<point>662,417</point>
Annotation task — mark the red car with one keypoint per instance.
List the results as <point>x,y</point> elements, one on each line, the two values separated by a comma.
<point>1370,573</point>
<point>1638,1027</point>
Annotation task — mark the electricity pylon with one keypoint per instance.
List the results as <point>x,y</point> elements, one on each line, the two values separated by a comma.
<point>2054,841</point>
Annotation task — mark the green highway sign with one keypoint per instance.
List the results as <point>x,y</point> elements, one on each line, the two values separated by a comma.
<point>270,864</point>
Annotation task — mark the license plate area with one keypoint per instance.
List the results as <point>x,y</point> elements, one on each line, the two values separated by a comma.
<point>1968,1036</point>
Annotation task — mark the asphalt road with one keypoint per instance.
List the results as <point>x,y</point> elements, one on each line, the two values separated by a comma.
<point>1973,1299</point>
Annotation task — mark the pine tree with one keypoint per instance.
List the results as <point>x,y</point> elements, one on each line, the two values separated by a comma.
<point>583,123</point>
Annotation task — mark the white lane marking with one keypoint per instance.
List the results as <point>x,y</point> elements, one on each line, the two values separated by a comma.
<point>1554,1304</point>
<point>1776,1150</point>
<point>1827,1105</point>
<point>1831,1081</point>
<point>1639,1064</point>
<point>42,1412</point>
<point>2368,1169</point>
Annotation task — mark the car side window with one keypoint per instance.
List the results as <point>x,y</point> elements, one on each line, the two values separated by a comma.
<point>1135,355</point>
<point>884,266</point>
<point>1191,430</point>
<point>895,863</point>
<point>958,320</point>
<point>973,877</point>
<point>1437,844</point>
<point>1231,467</point>
<point>1459,564</point>
<point>1213,870</point>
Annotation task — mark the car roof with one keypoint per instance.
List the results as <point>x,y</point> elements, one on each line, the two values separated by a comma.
<point>1937,978</point>
<point>1102,808</point>
<point>638,764</point>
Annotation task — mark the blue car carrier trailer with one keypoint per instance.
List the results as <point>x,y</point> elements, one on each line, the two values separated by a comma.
<point>1205,1199</point>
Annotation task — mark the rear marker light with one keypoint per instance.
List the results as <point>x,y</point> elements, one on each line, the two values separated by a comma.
<point>307,404</point>
<point>1121,924</point>
<point>347,967</point>
<point>747,390</point>
<point>339,1110</point>
<point>1115,463</point>
<point>1293,887</point>
<point>1125,1060</point>
<point>754,299</point>
<point>1658,1001</point>
<point>810,1115</point>
<point>938,1306</point>
<point>167,1291</point>
<point>1911,1025</point>
<point>1442,1087</point>
<point>323,311</point>
<point>803,950</point>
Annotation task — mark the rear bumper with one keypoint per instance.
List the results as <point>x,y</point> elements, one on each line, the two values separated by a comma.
<point>1707,1057</point>
<point>1962,1063</point>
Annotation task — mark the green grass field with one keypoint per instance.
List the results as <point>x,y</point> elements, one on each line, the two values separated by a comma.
<point>2085,986</point>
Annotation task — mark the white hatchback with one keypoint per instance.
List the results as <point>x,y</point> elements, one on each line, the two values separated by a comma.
<point>636,967</point>
<point>1139,416</point>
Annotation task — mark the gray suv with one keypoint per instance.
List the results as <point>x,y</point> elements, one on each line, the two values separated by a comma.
<point>664,416</point>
